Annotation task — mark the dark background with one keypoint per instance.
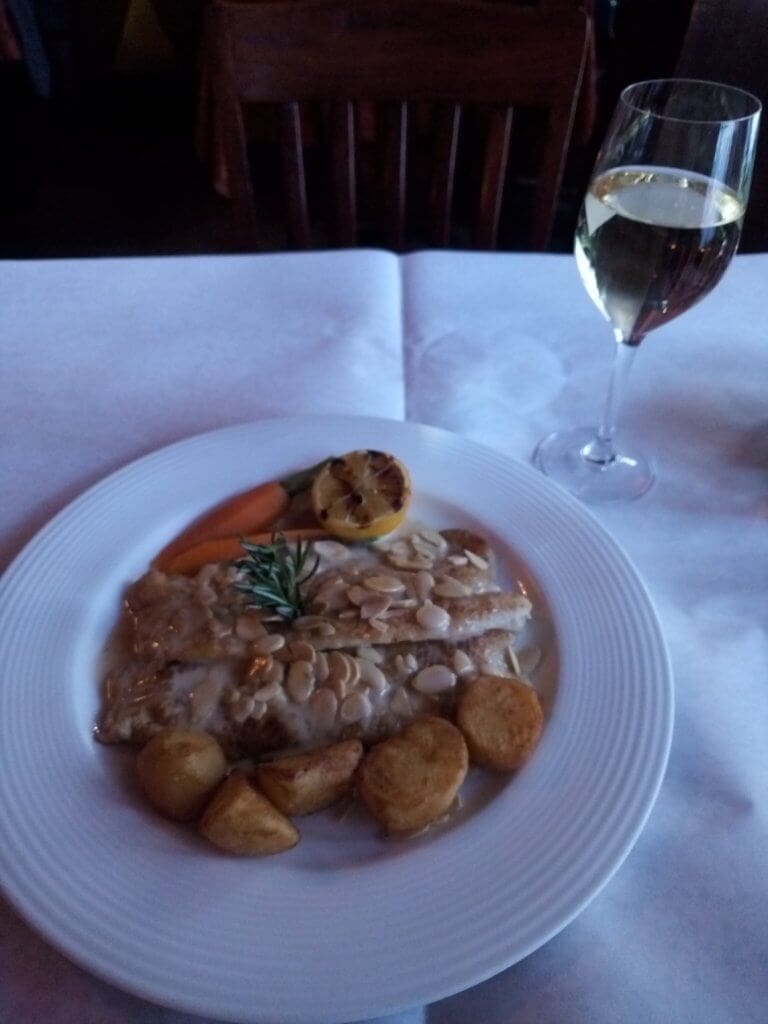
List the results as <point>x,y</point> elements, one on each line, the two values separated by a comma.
<point>99,155</point>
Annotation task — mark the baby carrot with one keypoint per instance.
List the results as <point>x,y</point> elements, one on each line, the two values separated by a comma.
<point>247,512</point>
<point>228,549</point>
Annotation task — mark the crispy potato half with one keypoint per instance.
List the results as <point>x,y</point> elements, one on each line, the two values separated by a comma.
<point>240,819</point>
<point>501,719</point>
<point>178,770</point>
<point>304,783</point>
<point>410,780</point>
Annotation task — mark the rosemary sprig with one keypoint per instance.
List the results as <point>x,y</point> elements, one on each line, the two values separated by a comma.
<point>273,574</point>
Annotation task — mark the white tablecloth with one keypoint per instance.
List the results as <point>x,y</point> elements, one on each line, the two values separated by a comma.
<point>103,361</point>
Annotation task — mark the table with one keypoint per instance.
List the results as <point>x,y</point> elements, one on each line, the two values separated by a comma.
<point>106,360</point>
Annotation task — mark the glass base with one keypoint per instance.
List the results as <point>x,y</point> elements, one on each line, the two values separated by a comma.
<point>562,456</point>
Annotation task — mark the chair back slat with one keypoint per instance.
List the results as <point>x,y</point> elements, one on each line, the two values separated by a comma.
<point>228,123</point>
<point>394,116</point>
<point>448,123</point>
<point>294,175</point>
<point>493,176</point>
<point>343,172</point>
<point>550,176</point>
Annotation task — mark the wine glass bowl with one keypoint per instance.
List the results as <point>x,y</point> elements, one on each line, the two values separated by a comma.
<point>660,222</point>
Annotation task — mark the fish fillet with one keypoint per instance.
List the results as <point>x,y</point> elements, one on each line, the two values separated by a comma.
<point>142,697</point>
<point>193,652</point>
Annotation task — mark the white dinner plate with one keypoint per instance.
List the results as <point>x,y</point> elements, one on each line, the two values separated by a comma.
<point>347,925</point>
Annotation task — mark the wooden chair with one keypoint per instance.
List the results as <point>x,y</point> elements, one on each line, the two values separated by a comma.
<point>427,75</point>
<point>740,62</point>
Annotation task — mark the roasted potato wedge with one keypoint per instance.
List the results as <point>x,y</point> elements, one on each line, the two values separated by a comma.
<point>303,783</point>
<point>410,780</point>
<point>240,819</point>
<point>178,770</point>
<point>501,719</point>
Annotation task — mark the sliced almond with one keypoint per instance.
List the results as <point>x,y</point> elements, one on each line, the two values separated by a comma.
<point>331,550</point>
<point>332,594</point>
<point>393,613</point>
<point>309,621</point>
<point>384,584</point>
<point>274,674</point>
<point>358,595</point>
<point>433,537</point>
<point>374,607</point>
<point>434,679</point>
<point>433,617</point>
<point>268,692</point>
<point>370,654</point>
<point>339,672</point>
<point>462,663</point>
<point>458,560</point>
<point>423,584</point>
<point>300,687</point>
<point>414,562</point>
<point>372,675</point>
<point>354,708</point>
<point>476,560</point>
<point>447,586</point>
<point>354,670</point>
<point>423,547</point>
<point>299,671</point>
<point>241,708</point>
<point>324,705</point>
<point>335,581</point>
<point>514,664</point>
<point>302,651</point>
<point>321,667</point>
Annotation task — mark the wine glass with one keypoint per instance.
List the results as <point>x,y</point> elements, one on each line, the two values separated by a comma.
<point>659,224</point>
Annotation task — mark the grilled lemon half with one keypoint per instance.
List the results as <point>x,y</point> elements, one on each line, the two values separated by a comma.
<point>361,495</point>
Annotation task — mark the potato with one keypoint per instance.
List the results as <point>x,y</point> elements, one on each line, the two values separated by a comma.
<point>240,819</point>
<point>501,719</point>
<point>303,783</point>
<point>178,770</point>
<point>410,780</point>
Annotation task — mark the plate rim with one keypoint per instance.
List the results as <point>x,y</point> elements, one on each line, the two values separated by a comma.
<point>25,905</point>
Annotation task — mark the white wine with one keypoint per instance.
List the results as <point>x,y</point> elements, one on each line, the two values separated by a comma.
<point>651,241</point>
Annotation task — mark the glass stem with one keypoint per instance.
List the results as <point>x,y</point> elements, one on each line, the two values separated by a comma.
<point>601,450</point>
